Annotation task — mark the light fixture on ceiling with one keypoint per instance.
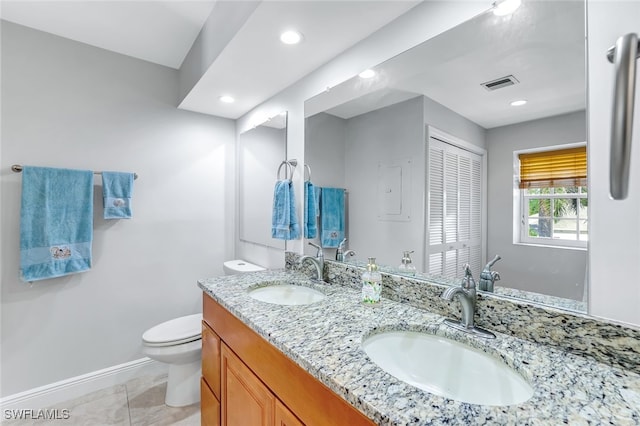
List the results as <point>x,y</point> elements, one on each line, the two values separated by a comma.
<point>227,99</point>
<point>367,74</point>
<point>505,7</point>
<point>518,102</point>
<point>291,37</point>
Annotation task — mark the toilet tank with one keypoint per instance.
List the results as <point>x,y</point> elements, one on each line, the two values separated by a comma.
<point>240,266</point>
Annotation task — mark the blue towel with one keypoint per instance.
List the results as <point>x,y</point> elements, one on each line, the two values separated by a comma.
<point>310,211</point>
<point>56,222</point>
<point>284,222</point>
<point>332,217</point>
<point>117,189</point>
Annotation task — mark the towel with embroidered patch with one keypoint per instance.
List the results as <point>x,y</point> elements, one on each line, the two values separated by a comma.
<point>332,220</point>
<point>56,222</point>
<point>117,189</point>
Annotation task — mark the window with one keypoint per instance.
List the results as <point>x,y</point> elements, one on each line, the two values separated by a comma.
<point>553,197</point>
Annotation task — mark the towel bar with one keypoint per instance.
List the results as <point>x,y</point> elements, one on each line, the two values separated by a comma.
<point>18,168</point>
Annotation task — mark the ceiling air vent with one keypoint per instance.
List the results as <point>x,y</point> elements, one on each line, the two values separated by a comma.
<point>501,82</point>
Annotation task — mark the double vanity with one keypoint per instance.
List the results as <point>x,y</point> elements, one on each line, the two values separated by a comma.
<point>323,357</point>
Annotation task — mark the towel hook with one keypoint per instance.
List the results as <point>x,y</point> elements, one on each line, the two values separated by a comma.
<point>284,163</point>
<point>308,169</point>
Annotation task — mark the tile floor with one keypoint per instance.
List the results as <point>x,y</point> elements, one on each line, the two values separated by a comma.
<point>139,402</point>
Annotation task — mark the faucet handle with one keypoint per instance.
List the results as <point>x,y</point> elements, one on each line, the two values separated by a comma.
<point>318,248</point>
<point>341,245</point>
<point>467,270</point>
<point>468,282</point>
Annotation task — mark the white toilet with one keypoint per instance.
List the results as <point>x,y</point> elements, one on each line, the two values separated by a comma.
<point>239,266</point>
<point>178,342</point>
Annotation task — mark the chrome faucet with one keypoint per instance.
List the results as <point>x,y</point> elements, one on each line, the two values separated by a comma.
<point>488,277</point>
<point>318,260</point>
<point>346,255</point>
<point>341,253</point>
<point>467,295</point>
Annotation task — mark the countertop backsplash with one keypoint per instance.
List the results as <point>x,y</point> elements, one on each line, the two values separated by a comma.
<point>603,341</point>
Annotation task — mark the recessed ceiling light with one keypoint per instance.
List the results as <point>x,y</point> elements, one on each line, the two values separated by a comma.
<point>505,7</point>
<point>226,99</point>
<point>291,37</point>
<point>367,74</point>
<point>519,103</point>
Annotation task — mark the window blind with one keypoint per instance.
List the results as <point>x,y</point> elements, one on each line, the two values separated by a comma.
<point>563,167</point>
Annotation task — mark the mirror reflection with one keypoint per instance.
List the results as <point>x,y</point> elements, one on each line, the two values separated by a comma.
<point>261,151</point>
<point>431,147</point>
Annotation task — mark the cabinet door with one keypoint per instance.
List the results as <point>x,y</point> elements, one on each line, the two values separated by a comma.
<point>211,359</point>
<point>284,417</point>
<point>245,399</point>
<point>210,407</point>
<point>455,209</point>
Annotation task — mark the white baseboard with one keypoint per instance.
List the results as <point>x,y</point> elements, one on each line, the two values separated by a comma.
<point>74,387</point>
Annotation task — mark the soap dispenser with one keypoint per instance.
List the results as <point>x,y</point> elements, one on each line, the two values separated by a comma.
<point>406,267</point>
<point>371,283</point>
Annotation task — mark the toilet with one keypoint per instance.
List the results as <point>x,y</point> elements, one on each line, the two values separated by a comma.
<point>239,266</point>
<point>178,342</point>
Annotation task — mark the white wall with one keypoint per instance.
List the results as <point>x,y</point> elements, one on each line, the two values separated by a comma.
<point>614,240</point>
<point>261,151</point>
<point>66,104</point>
<point>422,22</point>
<point>553,271</point>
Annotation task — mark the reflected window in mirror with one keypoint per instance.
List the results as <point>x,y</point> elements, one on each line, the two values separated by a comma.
<point>553,197</point>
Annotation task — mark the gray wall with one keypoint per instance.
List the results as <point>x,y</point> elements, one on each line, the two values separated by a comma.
<point>553,271</point>
<point>66,104</point>
<point>346,153</point>
<point>451,122</point>
<point>383,136</point>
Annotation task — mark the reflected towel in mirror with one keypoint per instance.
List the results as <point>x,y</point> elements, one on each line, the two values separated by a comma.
<point>331,217</point>
<point>310,211</point>
<point>284,222</point>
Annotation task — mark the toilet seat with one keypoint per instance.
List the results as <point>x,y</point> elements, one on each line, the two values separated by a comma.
<point>174,332</point>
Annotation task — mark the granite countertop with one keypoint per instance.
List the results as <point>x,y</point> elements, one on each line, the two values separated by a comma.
<point>325,339</point>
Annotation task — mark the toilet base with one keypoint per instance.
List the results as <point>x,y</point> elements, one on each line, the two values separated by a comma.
<point>183,384</point>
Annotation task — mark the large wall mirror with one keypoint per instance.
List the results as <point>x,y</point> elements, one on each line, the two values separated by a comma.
<point>429,144</point>
<point>261,150</point>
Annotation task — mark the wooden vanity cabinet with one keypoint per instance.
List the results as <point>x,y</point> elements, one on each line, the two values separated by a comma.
<point>284,417</point>
<point>210,382</point>
<point>261,386</point>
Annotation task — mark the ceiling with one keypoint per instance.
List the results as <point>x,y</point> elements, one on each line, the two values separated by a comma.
<point>542,44</point>
<point>252,67</point>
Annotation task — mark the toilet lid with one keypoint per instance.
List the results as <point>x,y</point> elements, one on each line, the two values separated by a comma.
<point>183,329</point>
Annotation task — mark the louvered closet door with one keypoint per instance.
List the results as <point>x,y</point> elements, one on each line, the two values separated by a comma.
<point>455,209</point>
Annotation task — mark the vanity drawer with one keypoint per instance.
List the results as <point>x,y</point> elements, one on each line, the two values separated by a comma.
<point>211,359</point>
<point>209,406</point>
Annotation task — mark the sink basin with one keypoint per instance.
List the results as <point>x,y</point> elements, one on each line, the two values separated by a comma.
<point>287,294</point>
<point>447,368</point>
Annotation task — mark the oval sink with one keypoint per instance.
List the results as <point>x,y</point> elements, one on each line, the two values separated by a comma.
<point>287,294</point>
<point>447,368</point>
